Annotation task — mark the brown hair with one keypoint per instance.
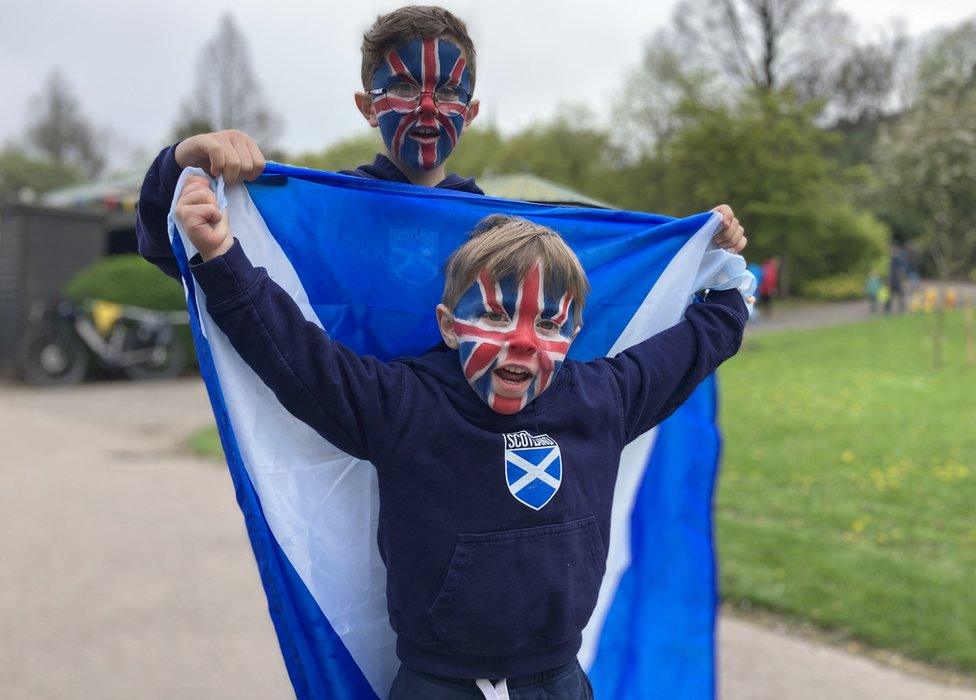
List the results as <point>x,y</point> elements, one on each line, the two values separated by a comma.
<point>507,245</point>
<point>406,24</point>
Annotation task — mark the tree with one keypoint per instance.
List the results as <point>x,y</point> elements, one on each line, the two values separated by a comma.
<point>767,157</point>
<point>649,106</point>
<point>60,133</point>
<point>20,172</point>
<point>928,159</point>
<point>226,94</point>
<point>767,45</point>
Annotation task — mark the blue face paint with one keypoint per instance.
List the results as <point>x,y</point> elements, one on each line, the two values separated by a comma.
<point>424,136</point>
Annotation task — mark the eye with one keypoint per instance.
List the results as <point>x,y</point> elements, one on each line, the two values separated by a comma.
<point>548,325</point>
<point>494,317</point>
<point>403,91</point>
<point>448,93</point>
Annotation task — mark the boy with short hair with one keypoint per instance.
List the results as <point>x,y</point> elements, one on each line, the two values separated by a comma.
<point>418,74</point>
<point>489,584</point>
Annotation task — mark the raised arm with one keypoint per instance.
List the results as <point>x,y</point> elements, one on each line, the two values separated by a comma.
<point>656,376</point>
<point>231,153</point>
<point>352,401</point>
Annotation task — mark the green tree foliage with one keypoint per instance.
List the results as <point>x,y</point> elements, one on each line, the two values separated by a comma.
<point>767,158</point>
<point>928,159</point>
<point>20,171</point>
<point>343,155</point>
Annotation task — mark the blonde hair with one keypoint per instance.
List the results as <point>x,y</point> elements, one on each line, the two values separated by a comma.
<point>507,245</point>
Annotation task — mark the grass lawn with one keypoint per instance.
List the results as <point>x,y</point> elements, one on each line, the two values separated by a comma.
<point>848,492</point>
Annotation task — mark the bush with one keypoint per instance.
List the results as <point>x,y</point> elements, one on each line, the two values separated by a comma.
<point>836,288</point>
<point>128,279</point>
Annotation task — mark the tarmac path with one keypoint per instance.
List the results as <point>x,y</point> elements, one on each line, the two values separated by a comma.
<point>125,571</point>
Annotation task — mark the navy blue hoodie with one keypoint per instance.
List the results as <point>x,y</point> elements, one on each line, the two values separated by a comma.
<point>479,585</point>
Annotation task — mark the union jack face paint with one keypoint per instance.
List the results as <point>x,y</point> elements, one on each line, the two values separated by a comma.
<point>512,337</point>
<point>423,138</point>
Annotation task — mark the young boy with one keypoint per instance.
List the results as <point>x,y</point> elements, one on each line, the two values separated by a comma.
<point>418,73</point>
<point>490,581</point>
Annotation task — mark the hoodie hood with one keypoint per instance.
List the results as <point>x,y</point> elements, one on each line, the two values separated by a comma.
<point>382,168</point>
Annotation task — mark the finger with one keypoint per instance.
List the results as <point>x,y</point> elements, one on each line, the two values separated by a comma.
<point>244,156</point>
<point>741,245</point>
<point>218,160</point>
<point>257,159</point>
<point>191,190</point>
<point>729,233</point>
<point>198,196</point>
<point>232,163</point>
<point>199,212</point>
<point>726,211</point>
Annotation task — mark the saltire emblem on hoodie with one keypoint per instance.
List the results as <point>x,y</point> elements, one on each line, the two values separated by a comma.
<point>533,468</point>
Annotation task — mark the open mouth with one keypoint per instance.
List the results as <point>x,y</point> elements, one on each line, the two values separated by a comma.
<point>425,133</point>
<point>514,375</point>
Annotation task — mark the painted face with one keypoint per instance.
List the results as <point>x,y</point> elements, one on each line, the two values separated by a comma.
<point>513,337</point>
<point>421,133</point>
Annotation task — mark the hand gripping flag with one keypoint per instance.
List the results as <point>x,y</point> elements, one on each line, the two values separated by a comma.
<point>363,259</point>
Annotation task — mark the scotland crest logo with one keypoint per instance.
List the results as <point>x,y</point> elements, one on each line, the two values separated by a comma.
<point>533,468</point>
<point>413,254</point>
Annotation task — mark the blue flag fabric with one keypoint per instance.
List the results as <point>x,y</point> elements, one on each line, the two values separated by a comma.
<point>364,259</point>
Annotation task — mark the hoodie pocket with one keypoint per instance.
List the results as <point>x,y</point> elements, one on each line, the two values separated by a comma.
<point>504,590</point>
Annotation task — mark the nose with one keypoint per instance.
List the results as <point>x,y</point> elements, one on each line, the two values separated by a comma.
<point>521,344</point>
<point>427,105</point>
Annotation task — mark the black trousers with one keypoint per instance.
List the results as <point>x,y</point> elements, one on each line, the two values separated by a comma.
<point>566,682</point>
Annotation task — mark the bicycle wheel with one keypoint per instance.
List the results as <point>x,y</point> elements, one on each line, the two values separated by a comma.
<point>51,355</point>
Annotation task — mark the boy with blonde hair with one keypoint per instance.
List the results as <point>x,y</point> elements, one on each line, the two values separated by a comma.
<point>491,577</point>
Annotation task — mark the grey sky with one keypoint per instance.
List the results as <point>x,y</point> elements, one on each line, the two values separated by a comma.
<point>132,63</point>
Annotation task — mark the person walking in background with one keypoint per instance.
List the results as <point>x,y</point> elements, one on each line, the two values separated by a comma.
<point>770,284</point>
<point>873,290</point>
<point>899,271</point>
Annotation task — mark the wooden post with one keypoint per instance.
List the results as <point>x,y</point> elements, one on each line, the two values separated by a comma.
<point>969,316</point>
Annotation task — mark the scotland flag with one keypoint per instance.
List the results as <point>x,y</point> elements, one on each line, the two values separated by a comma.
<point>363,259</point>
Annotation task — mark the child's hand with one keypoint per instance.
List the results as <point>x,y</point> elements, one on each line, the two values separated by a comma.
<point>230,153</point>
<point>204,223</point>
<point>732,236</point>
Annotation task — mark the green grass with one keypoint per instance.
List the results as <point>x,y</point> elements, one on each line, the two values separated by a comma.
<point>205,442</point>
<point>848,492</point>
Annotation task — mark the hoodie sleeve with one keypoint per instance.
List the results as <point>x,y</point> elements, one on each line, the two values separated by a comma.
<point>656,376</point>
<point>155,199</point>
<point>352,401</point>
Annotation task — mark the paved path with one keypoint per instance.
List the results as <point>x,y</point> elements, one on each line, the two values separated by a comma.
<point>125,571</point>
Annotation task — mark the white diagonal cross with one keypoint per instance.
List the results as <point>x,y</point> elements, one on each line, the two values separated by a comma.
<point>533,471</point>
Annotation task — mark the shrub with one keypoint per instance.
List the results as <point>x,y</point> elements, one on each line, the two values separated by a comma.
<point>836,288</point>
<point>126,279</point>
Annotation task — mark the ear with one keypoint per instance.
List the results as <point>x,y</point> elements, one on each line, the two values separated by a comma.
<point>472,112</point>
<point>445,323</point>
<point>364,103</point>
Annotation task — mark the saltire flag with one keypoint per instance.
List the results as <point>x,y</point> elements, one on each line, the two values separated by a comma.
<point>363,259</point>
